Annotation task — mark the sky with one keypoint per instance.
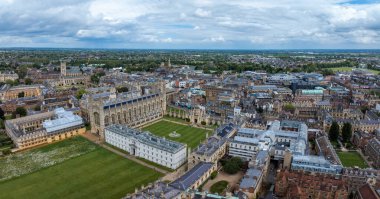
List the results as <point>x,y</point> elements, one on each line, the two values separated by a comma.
<point>195,24</point>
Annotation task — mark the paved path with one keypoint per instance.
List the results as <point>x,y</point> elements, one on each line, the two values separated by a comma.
<point>231,179</point>
<point>96,140</point>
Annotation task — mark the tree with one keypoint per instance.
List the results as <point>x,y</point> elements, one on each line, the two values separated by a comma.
<point>28,81</point>
<point>122,89</point>
<point>2,114</point>
<point>334,131</point>
<point>37,108</point>
<point>346,132</point>
<point>22,71</point>
<point>80,93</point>
<point>21,94</point>
<point>289,108</point>
<point>9,81</point>
<point>233,165</point>
<point>19,111</point>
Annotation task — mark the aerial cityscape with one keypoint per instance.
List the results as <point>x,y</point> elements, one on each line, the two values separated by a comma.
<point>190,99</point>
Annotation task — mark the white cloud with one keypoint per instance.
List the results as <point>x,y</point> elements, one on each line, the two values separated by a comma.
<point>232,24</point>
<point>202,13</point>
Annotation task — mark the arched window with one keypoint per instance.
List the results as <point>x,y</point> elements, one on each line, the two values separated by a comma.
<point>97,118</point>
<point>106,120</point>
<point>113,119</point>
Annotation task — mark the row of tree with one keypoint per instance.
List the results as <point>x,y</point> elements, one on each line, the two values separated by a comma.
<point>334,132</point>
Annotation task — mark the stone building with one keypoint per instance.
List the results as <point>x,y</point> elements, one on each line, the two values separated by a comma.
<point>356,177</point>
<point>164,152</point>
<point>304,185</point>
<point>30,131</point>
<point>21,91</point>
<point>136,108</point>
<point>72,76</point>
<point>8,76</point>
<point>373,151</point>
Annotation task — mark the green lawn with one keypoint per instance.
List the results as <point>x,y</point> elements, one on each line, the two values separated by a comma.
<point>218,187</point>
<point>351,159</point>
<point>189,135</point>
<point>348,69</point>
<point>96,174</point>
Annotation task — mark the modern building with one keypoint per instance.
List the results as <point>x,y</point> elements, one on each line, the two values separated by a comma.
<point>316,164</point>
<point>146,145</point>
<point>280,136</point>
<point>30,131</point>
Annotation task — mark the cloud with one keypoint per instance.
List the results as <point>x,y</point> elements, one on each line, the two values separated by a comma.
<point>202,13</point>
<point>190,24</point>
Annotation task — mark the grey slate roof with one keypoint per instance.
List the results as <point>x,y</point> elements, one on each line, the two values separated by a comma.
<point>190,177</point>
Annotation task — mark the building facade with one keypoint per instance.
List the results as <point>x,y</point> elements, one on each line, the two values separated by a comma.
<point>134,108</point>
<point>373,151</point>
<point>146,145</point>
<point>30,131</point>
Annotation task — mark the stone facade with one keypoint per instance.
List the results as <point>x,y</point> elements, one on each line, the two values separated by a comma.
<point>30,131</point>
<point>133,109</point>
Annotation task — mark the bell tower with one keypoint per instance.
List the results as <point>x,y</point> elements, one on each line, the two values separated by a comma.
<point>63,68</point>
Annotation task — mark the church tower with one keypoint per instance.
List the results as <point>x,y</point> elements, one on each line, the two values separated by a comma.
<point>63,68</point>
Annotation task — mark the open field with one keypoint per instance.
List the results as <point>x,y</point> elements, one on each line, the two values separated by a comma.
<point>351,159</point>
<point>347,69</point>
<point>96,174</point>
<point>189,135</point>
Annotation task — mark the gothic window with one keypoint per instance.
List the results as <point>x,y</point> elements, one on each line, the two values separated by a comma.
<point>106,120</point>
<point>97,118</point>
<point>113,119</point>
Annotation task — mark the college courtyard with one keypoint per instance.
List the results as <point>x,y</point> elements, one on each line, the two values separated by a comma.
<point>186,134</point>
<point>73,168</point>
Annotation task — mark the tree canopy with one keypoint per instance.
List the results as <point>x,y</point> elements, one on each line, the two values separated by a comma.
<point>233,165</point>
<point>20,111</point>
<point>346,132</point>
<point>334,131</point>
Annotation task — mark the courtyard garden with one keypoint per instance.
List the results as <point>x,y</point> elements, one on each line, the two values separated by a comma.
<point>182,133</point>
<point>219,187</point>
<point>351,159</point>
<point>73,168</point>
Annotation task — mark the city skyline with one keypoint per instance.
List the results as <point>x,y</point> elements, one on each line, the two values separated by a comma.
<point>237,25</point>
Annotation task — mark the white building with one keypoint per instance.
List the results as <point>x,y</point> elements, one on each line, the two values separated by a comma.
<point>146,145</point>
<point>279,137</point>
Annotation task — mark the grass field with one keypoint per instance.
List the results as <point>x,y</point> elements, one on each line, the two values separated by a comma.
<point>348,69</point>
<point>352,159</point>
<point>189,135</point>
<point>96,174</point>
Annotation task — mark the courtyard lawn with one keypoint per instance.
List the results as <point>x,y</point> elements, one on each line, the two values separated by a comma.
<point>219,187</point>
<point>96,174</point>
<point>189,135</point>
<point>352,159</point>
